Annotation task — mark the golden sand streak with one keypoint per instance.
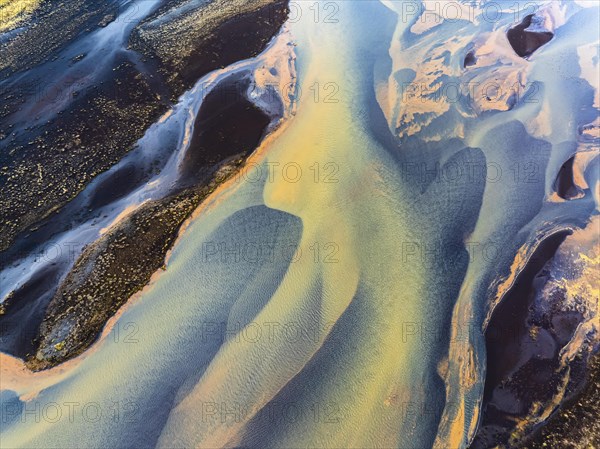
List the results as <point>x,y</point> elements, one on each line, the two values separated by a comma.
<point>119,218</point>
<point>12,12</point>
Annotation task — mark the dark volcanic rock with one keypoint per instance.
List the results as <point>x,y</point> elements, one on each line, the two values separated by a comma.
<point>56,24</point>
<point>59,130</point>
<point>227,124</point>
<point>577,424</point>
<point>565,184</point>
<point>45,166</point>
<point>470,60</point>
<point>536,320</point>
<point>526,41</point>
<point>174,43</point>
